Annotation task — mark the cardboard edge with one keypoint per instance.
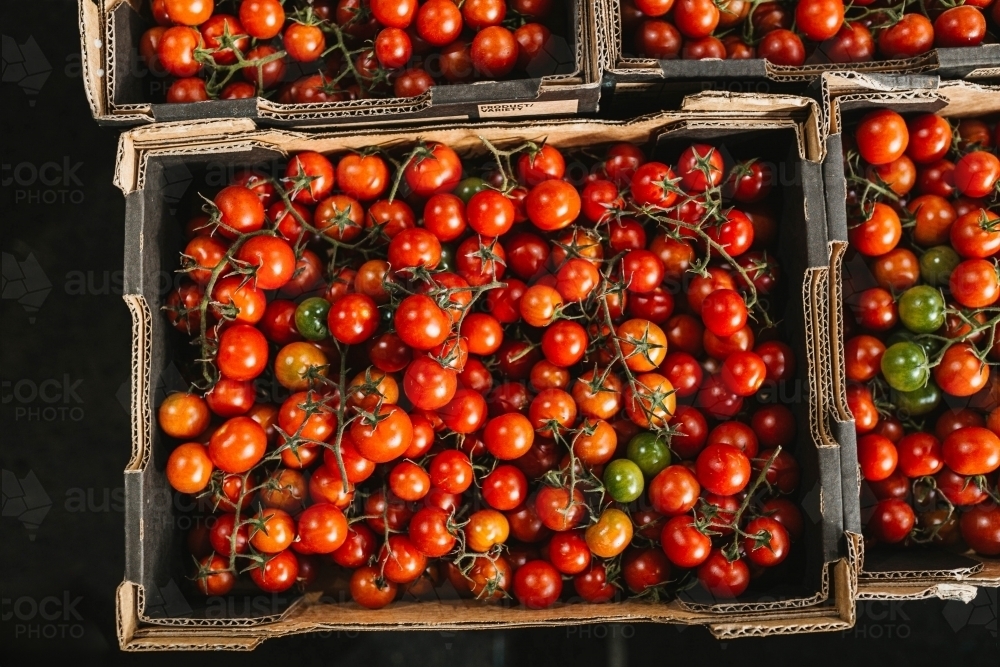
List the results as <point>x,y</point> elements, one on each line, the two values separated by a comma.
<point>91,19</point>
<point>141,410</point>
<point>944,591</point>
<point>131,636</point>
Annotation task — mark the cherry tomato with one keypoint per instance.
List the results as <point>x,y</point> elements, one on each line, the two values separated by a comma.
<point>189,468</point>
<point>683,543</point>
<point>537,584</point>
<point>721,578</point>
<point>237,445</point>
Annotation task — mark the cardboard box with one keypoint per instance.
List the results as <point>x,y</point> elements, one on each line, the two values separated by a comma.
<point>916,573</point>
<point>155,164</point>
<point>117,83</point>
<point>627,79</point>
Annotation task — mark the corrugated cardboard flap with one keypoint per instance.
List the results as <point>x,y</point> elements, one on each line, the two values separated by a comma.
<point>844,91</point>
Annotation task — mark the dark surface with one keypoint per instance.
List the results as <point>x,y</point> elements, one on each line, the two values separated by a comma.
<point>65,424</point>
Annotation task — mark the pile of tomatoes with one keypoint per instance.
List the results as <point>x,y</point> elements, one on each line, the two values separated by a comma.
<point>337,50</point>
<point>551,373</point>
<point>803,31</point>
<point>923,344</point>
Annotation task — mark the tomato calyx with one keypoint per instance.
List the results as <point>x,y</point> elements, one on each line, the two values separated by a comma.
<point>371,418</point>
<point>982,483</point>
<point>300,182</point>
<point>985,222</point>
<point>203,570</point>
<point>306,16</point>
<point>669,186</point>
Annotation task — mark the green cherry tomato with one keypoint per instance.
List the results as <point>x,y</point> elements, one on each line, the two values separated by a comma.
<point>310,318</point>
<point>649,453</point>
<point>623,480</point>
<point>919,401</point>
<point>937,264</point>
<point>921,309</point>
<point>468,187</point>
<point>904,366</point>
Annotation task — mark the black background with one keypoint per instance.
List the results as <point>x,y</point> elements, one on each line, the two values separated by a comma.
<point>71,223</point>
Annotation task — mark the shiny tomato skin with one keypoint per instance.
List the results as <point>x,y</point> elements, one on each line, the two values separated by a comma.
<point>724,580</point>
<point>537,584</point>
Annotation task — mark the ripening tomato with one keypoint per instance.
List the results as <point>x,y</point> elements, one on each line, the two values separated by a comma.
<point>183,415</point>
<point>819,20</point>
<point>971,450</point>
<point>911,36</point>
<point>782,47</point>
<point>651,401</point>
<point>766,542</point>
<point>593,586</point>
<point>176,51</point>
<point>368,587</point>
<point>610,535</point>
<point>959,26</point>
<point>479,14</point>
<point>700,167</point>
<point>878,234</point>
<point>494,51</point>
<point>976,234</point>
<point>537,584</point>
<point>980,527</point>
<point>977,173</point>
<point>684,544</point>
<point>394,13</point>
<point>642,343</point>
<point>853,43</point>
<point>723,469</point>
<point>189,468</point>
<point>558,509</point>
<point>674,491</point>
<point>877,457</point>
<point>654,184</point>
<point>882,136</point>
<point>214,576</point>
<point>891,521</point>
<point>960,372</point>
<point>722,578</point>
<point>262,19</point>
<point>553,204</point>
<point>919,454</point>
<point>437,171</point>
<point>695,18</point>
